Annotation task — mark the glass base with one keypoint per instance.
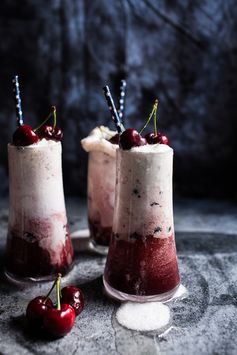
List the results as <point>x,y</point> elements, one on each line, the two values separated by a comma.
<point>100,249</point>
<point>121,296</point>
<point>20,280</point>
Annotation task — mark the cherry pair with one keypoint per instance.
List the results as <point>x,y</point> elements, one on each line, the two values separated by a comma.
<point>59,320</point>
<point>25,135</point>
<point>131,138</point>
<point>153,138</point>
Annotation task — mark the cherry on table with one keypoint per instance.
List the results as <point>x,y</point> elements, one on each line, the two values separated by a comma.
<point>131,138</point>
<point>73,296</point>
<point>24,136</point>
<point>37,308</point>
<point>59,322</point>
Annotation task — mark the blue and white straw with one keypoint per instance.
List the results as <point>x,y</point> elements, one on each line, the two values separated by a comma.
<point>122,99</point>
<point>17,97</point>
<point>114,113</point>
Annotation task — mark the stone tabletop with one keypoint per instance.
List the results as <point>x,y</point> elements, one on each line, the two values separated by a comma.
<point>203,323</point>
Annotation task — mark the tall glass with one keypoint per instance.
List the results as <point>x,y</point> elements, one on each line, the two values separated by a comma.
<point>101,186</point>
<point>38,242</point>
<point>142,262</point>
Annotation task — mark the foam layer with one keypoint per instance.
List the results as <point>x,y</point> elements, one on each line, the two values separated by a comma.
<point>42,143</point>
<point>152,148</point>
<point>98,141</point>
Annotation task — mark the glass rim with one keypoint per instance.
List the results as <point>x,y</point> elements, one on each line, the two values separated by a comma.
<point>33,146</point>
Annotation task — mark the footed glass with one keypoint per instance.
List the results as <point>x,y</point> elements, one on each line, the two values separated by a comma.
<point>38,242</point>
<point>142,261</point>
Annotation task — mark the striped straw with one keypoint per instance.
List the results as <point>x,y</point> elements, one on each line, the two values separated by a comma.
<point>122,98</point>
<point>114,113</point>
<point>17,97</point>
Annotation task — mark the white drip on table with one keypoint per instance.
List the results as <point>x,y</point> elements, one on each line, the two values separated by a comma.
<point>147,316</point>
<point>143,316</point>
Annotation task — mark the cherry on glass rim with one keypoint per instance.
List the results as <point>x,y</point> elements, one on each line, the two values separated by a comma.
<point>50,132</point>
<point>131,138</point>
<point>24,136</point>
<point>114,139</point>
<point>153,138</point>
<point>163,139</point>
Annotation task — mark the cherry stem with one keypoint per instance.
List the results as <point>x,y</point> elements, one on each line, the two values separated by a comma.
<point>58,289</point>
<point>155,117</point>
<point>48,294</point>
<point>54,116</point>
<point>52,113</point>
<point>150,116</point>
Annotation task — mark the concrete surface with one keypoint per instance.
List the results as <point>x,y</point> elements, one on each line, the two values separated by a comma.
<point>204,323</point>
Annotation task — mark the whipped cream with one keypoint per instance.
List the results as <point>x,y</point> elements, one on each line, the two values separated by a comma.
<point>97,140</point>
<point>44,142</point>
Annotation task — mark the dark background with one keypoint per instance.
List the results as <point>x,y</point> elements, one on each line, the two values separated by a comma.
<point>184,52</point>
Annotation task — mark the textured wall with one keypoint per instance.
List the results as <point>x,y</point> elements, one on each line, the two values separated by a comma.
<point>184,52</point>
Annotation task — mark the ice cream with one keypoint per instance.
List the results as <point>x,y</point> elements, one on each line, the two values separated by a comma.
<point>98,140</point>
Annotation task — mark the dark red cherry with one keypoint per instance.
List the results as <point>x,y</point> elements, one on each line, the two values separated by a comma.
<point>36,310</point>
<point>158,138</point>
<point>45,131</point>
<point>131,138</point>
<point>59,322</point>
<point>73,296</point>
<point>114,139</point>
<point>150,137</point>
<point>58,134</point>
<point>50,132</point>
<point>163,139</point>
<point>24,135</point>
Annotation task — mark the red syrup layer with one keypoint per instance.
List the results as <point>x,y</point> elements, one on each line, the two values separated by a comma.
<point>143,266</point>
<point>26,258</point>
<point>100,235</point>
